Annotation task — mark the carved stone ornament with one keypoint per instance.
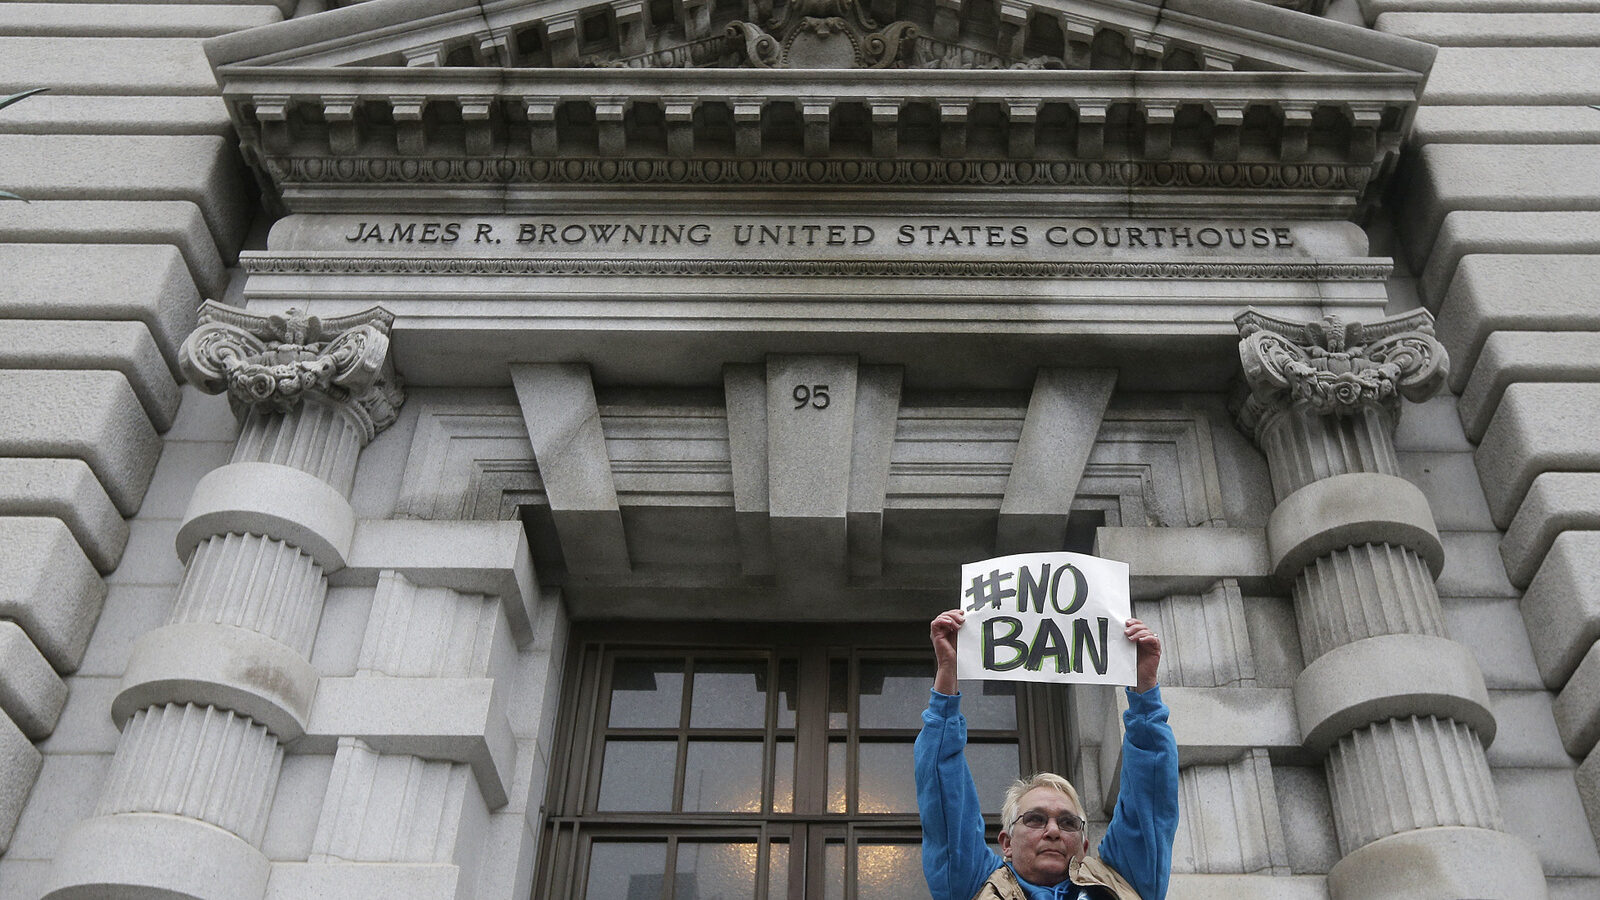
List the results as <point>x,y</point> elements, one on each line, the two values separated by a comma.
<point>1333,367</point>
<point>823,34</point>
<point>272,362</point>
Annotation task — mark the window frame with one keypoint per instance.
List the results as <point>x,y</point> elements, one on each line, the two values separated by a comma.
<point>571,820</point>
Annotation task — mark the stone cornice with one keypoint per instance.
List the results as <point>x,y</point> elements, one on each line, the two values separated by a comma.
<point>1056,85</point>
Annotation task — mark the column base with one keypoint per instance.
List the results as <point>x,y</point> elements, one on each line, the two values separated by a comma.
<point>153,856</point>
<point>1440,864</point>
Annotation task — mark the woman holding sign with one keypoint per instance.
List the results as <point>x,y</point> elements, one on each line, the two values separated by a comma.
<point>1043,835</point>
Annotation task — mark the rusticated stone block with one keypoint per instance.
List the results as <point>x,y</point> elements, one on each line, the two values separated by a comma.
<point>47,114</point>
<point>31,693</point>
<point>74,65</point>
<point>1451,177</point>
<point>202,169</point>
<point>148,284</point>
<point>1503,125</point>
<point>1525,734</point>
<point>174,222</point>
<point>1577,707</point>
<point>49,588</point>
<point>1588,778</point>
<point>124,347</point>
<point>1371,9</point>
<point>92,416</point>
<point>1562,606</point>
<point>1514,292</point>
<point>1556,502</point>
<point>1531,29</point>
<point>1514,75</point>
<point>1538,428</point>
<point>82,20</point>
<point>1509,357</point>
<point>67,490</point>
<point>1431,426</point>
<point>19,766</point>
<point>1466,232</point>
<point>1542,807</point>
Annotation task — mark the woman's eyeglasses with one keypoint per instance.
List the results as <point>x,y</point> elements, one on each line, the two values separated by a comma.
<point>1034,820</point>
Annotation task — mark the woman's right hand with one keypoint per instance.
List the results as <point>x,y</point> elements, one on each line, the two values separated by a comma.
<point>942,634</point>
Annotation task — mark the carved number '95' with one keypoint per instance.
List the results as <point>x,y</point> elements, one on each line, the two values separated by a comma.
<point>814,396</point>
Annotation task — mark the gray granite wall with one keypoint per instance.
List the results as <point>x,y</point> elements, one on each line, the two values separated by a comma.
<point>140,208</point>
<point>1496,218</point>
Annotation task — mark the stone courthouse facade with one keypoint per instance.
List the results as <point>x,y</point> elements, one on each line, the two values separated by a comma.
<point>512,449</point>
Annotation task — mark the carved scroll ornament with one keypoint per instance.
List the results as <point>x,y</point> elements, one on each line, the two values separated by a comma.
<point>822,34</point>
<point>1334,367</point>
<point>272,362</point>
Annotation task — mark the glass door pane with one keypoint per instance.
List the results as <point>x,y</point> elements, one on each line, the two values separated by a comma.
<point>778,771</point>
<point>626,870</point>
<point>715,871</point>
<point>889,871</point>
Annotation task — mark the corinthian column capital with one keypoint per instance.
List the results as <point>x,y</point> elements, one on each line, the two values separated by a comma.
<point>1332,367</point>
<point>271,363</point>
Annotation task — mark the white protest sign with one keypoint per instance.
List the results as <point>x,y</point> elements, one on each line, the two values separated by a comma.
<point>1053,617</point>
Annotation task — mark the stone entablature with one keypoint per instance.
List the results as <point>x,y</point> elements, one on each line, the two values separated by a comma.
<point>1309,110</point>
<point>672,296</point>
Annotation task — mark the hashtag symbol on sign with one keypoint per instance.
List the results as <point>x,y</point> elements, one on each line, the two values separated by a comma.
<point>987,590</point>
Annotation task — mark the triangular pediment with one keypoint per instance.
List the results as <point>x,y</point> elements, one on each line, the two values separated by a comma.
<point>1096,96</point>
<point>1210,35</point>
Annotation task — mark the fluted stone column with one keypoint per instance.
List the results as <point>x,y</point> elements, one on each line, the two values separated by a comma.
<point>209,699</point>
<point>1399,712</point>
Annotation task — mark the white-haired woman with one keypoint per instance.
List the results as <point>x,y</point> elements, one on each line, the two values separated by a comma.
<point>1043,836</point>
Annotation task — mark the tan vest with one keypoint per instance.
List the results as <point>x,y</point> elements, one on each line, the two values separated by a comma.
<point>1087,872</point>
